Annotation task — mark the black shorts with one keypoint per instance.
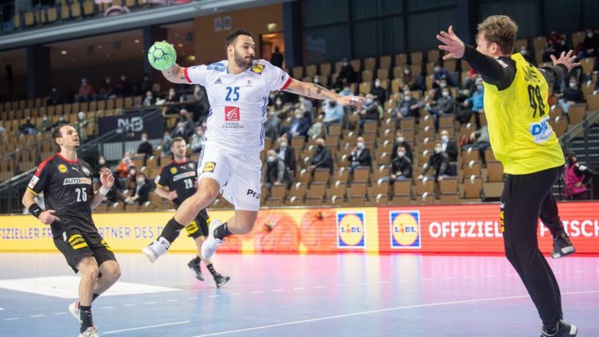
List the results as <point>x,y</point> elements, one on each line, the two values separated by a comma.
<point>199,226</point>
<point>76,245</point>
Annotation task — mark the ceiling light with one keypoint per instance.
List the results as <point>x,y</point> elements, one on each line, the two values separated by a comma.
<point>191,58</point>
<point>64,52</point>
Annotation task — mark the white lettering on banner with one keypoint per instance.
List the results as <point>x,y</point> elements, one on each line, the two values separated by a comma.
<point>575,228</point>
<point>132,124</point>
<point>465,229</point>
<point>126,232</point>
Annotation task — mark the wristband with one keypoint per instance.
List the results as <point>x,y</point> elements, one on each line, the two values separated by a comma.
<point>103,190</point>
<point>35,210</point>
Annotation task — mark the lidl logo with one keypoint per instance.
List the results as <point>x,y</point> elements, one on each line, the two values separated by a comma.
<point>350,230</point>
<point>405,229</point>
<point>62,168</point>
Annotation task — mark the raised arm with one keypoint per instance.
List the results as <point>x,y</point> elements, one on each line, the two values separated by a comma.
<point>175,74</point>
<point>316,91</point>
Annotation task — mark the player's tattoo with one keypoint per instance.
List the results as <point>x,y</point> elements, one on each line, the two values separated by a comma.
<point>309,92</point>
<point>318,89</point>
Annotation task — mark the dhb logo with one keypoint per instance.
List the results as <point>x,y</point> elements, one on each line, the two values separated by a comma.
<point>132,124</point>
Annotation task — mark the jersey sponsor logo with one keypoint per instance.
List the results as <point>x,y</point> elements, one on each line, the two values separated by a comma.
<point>62,168</point>
<point>257,68</point>
<point>253,193</point>
<point>218,81</point>
<point>185,175</point>
<point>217,67</point>
<point>77,181</point>
<point>33,182</point>
<point>541,131</point>
<point>77,241</point>
<point>173,170</point>
<point>232,114</point>
<point>209,167</point>
<point>75,168</point>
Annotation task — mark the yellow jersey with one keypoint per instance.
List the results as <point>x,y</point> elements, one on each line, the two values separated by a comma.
<point>518,121</point>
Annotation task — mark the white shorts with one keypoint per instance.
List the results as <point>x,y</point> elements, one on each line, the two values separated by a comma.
<point>238,175</point>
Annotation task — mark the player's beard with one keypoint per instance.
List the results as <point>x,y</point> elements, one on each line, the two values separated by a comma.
<point>241,61</point>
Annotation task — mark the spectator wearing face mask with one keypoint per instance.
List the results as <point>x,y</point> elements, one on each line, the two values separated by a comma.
<point>347,74</point>
<point>45,125</point>
<point>438,162</point>
<point>401,142</point>
<point>360,156</point>
<point>526,54</point>
<point>299,125</point>
<point>480,140</point>
<point>273,125</point>
<point>407,107</point>
<point>556,44</point>
<point>401,166</point>
<point>276,172</point>
<point>287,154</point>
<point>346,91</point>
<point>145,147</point>
<point>442,106</point>
<point>408,78</point>
<point>449,146</point>
<point>27,128</point>
<point>576,176</point>
<point>321,157</point>
<point>86,91</point>
<point>333,113</point>
<point>572,95</point>
<point>166,143</point>
<point>473,105</point>
<point>440,73</point>
<point>181,131</point>
<point>379,93</point>
<point>81,126</point>
<point>590,46</point>
<point>140,194</point>
<point>371,111</point>
<point>198,140</point>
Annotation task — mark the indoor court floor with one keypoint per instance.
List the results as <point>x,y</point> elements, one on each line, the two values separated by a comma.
<point>346,295</point>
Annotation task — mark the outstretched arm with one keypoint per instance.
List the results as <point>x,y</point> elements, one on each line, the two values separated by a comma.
<point>175,74</point>
<point>313,90</point>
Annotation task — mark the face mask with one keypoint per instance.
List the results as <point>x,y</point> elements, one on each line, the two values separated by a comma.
<point>140,181</point>
<point>400,139</point>
<point>444,138</point>
<point>316,81</point>
<point>101,161</point>
<point>270,160</point>
<point>572,85</point>
<point>445,93</point>
<point>437,69</point>
<point>400,154</point>
<point>360,145</point>
<point>480,87</point>
<point>283,145</point>
<point>590,35</point>
<point>45,119</point>
<point>406,71</point>
<point>279,102</point>
<point>437,150</point>
<point>443,84</point>
<point>199,133</point>
<point>144,139</point>
<point>132,172</point>
<point>345,89</point>
<point>523,51</point>
<point>368,101</point>
<point>407,98</point>
<point>298,116</point>
<point>377,84</point>
<point>345,64</point>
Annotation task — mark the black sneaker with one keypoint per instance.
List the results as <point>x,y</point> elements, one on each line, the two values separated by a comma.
<point>563,330</point>
<point>196,268</point>
<point>562,246</point>
<point>221,280</point>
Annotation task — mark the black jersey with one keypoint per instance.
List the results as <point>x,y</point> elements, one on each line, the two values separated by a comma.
<point>68,189</point>
<point>179,177</point>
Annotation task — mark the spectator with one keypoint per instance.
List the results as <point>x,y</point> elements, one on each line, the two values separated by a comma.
<point>27,128</point>
<point>360,156</point>
<point>321,157</point>
<point>401,166</point>
<point>307,107</point>
<point>166,143</point>
<point>317,81</point>
<point>449,146</point>
<point>287,154</point>
<point>316,129</point>
<point>81,126</point>
<point>86,91</point>
<point>590,46</point>
<point>572,95</point>
<point>333,113</point>
<point>407,107</point>
<point>108,89</point>
<point>45,125</point>
<point>347,74</point>
<point>276,172</point>
<point>198,140</point>
<point>61,121</point>
<point>379,93</point>
<point>556,44</point>
<point>122,169</point>
<point>409,79</point>
<point>440,73</point>
<point>141,193</point>
<point>439,162</point>
<point>124,88</point>
<point>201,98</point>
<point>299,125</point>
<point>372,111</point>
<point>186,118</point>
<point>576,176</point>
<point>273,125</point>
<point>277,58</point>
<point>401,142</point>
<point>444,105</point>
<point>145,147</point>
<point>526,54</point>
<point>171,98</point>
<point>476,104</point>
<point>2,129</point>
<point>149,99</point>
<point>181,131</point>
<point>479,139</point>
<point>346,91</point>
<point>144,85</point>
<point>54,97</point>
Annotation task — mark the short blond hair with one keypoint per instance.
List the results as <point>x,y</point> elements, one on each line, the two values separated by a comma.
<point>499,29</point>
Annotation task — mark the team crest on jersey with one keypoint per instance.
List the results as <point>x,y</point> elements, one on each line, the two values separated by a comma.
<point>209,167</point>
<point>232,114</point>
<point>249,83</point>
<point>173,170</point>
<point>62,168</point>
<point>258,68</point>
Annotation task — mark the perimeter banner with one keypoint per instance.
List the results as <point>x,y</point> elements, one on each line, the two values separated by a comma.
<point>429,229</point>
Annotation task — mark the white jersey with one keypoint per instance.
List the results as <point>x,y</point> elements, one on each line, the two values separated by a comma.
<point>238,102</point>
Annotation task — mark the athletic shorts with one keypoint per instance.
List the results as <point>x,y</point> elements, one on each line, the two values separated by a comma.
<point>238,175</point>
<point>76,245</point>
<point>199,226</point>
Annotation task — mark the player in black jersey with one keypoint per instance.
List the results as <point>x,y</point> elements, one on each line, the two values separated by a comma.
<point>69,197</point>
<point>178,181</point>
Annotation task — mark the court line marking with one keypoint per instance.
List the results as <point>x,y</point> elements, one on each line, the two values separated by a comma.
<point>490,299</point>
<point>145,327</point>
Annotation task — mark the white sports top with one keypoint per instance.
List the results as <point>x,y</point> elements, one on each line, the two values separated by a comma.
<point>238,102</point>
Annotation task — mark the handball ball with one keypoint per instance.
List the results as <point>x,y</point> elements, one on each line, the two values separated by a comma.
<point>162,55</point>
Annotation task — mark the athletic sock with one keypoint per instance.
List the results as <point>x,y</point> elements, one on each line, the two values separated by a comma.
<point>210,267</point>
<point>171,230</point>
<point>94,296</point>
<point>86,317</point>
<point>196,260</point>
<point>551,330</point>
<point>222,231</point>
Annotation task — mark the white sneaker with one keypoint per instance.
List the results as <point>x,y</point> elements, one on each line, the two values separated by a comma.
<point>156,249</point>
<point>211,243</point>
<point>75,311</point>
<point>90,332</point>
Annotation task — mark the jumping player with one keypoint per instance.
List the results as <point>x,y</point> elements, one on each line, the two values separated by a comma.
<point>69,197</point>
<point>178,181</point>
<point>238,90</point>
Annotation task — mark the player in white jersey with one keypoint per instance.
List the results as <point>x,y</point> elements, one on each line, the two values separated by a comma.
<point>238,90</point>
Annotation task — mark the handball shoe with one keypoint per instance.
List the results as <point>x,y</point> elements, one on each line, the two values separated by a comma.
<point>211,243</point>
<point>156,249</point>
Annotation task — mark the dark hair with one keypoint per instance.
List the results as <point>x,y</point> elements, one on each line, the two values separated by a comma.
<point>232,37</point>
<point>57,134</point>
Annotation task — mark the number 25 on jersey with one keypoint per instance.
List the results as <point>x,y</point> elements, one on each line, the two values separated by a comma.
<point>232,94</point>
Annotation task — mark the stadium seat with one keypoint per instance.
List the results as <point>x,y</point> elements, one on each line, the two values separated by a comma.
<point>577,113</point>
<point>494,171</point>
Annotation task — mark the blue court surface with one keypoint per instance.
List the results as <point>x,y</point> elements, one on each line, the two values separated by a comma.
<point>296,295</point>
